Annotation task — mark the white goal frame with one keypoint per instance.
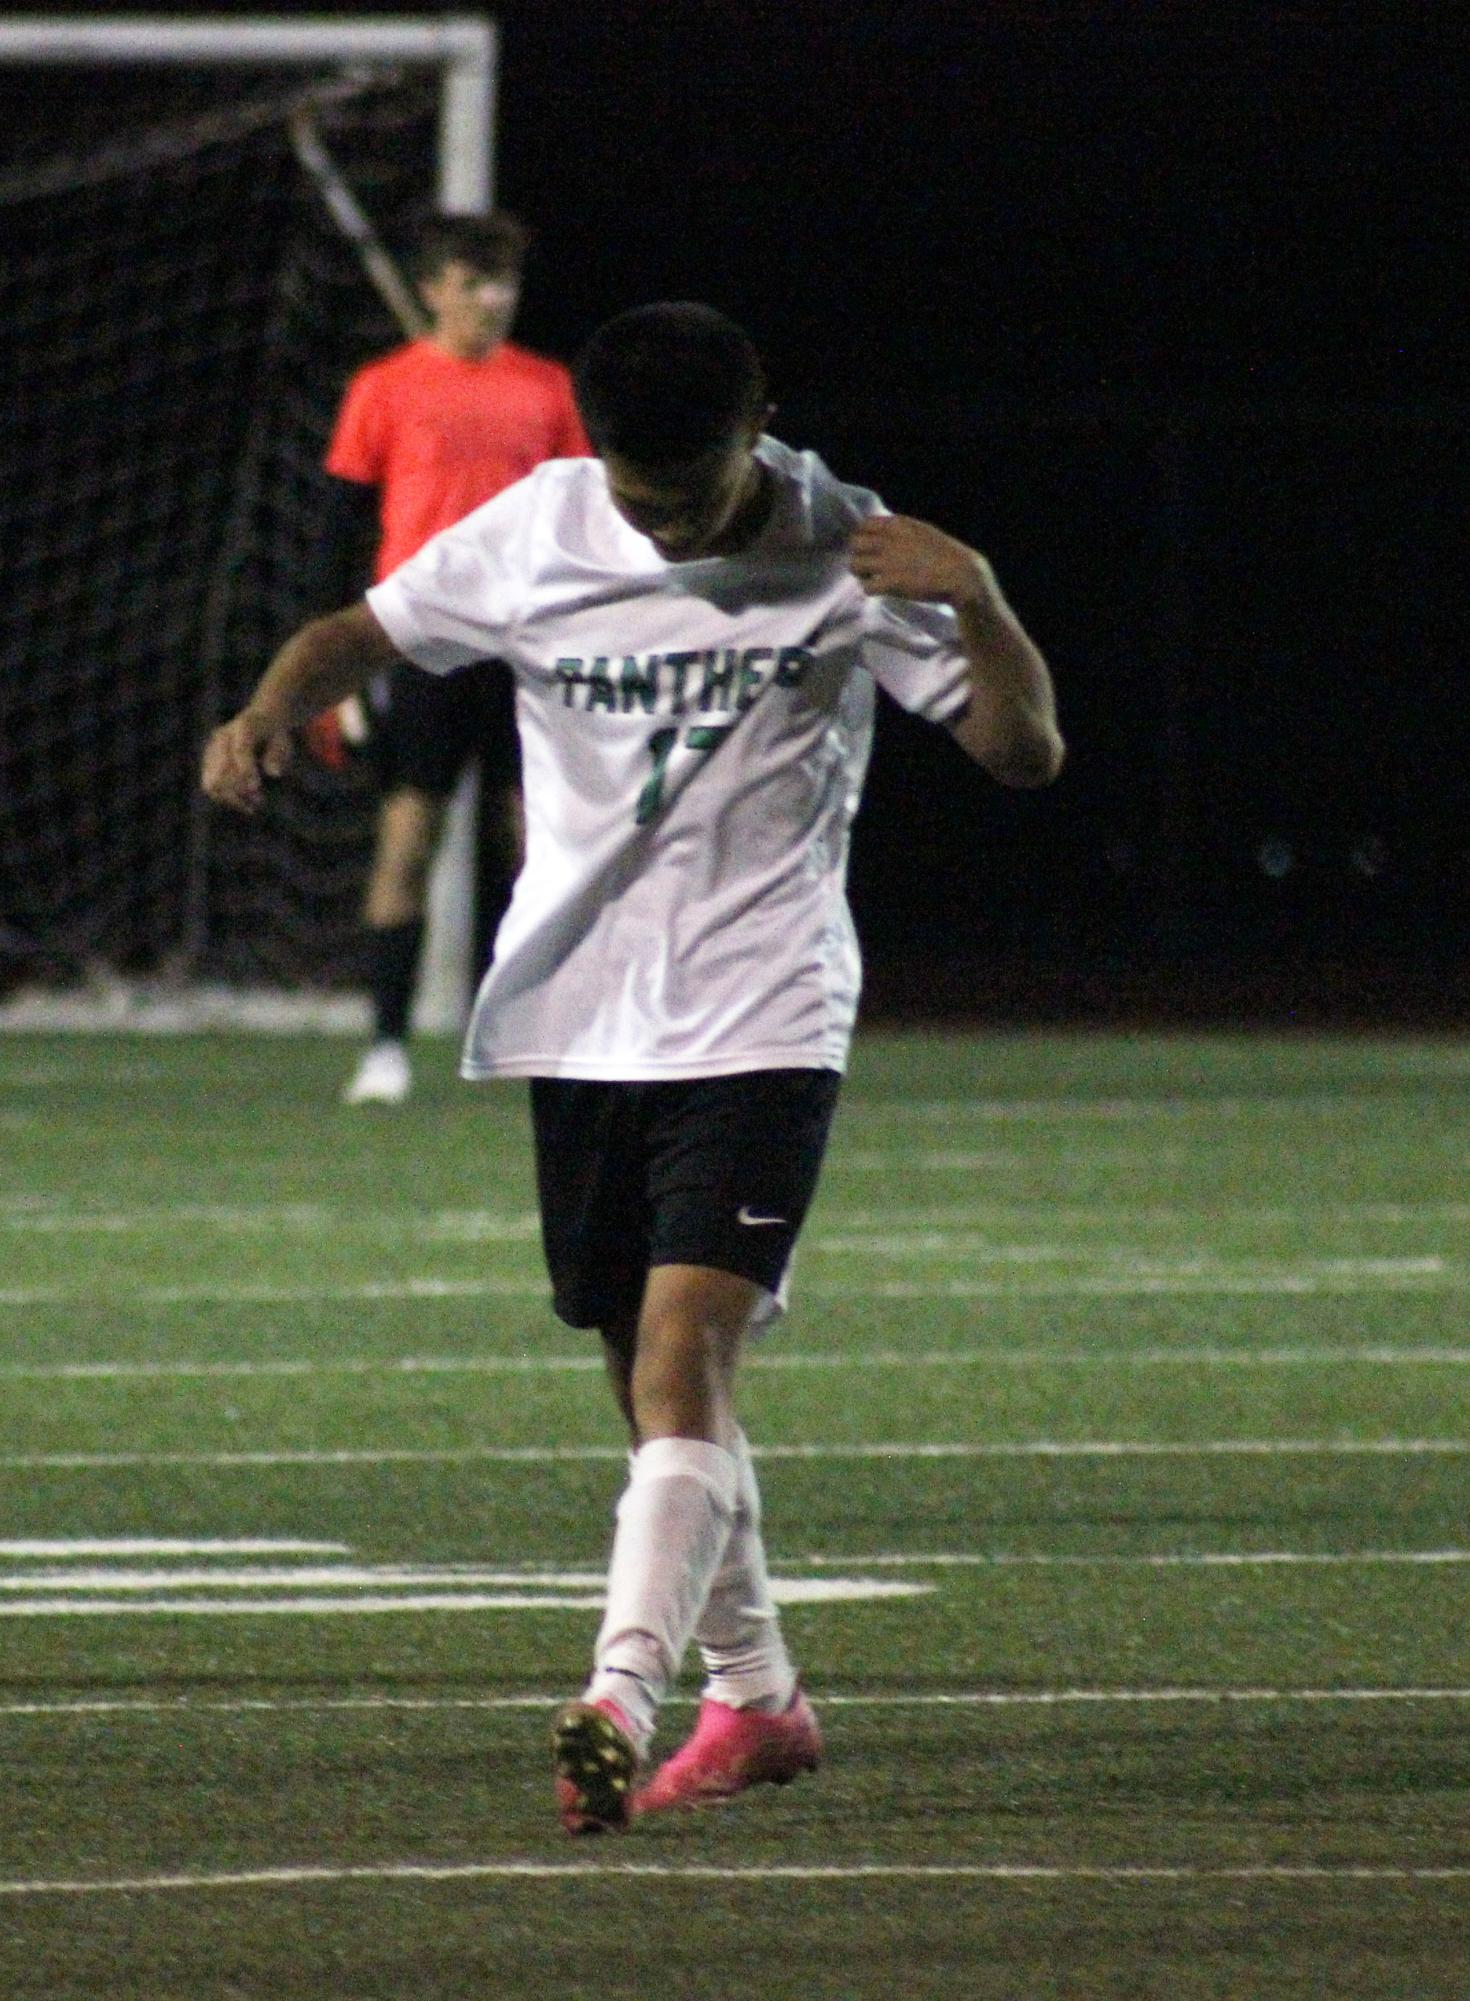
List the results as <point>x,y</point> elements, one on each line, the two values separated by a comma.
<point>464,49</point>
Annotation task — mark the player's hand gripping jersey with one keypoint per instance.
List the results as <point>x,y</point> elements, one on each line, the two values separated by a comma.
<point>694,737</point>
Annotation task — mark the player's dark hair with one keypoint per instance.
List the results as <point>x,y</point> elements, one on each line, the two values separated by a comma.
<point>667,383</point>
<point>495,244</point>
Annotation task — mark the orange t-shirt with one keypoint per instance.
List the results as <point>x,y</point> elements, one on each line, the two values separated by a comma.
<point>438,436</point>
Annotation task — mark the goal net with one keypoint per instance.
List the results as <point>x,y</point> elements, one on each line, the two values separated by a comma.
<point>181,312</point>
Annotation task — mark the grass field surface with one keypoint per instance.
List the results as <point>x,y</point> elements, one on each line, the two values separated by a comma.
<point>1116,1457</point>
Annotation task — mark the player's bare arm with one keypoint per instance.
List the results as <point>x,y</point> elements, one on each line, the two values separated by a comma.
<point>325,661</point>
<point>1010,725</point>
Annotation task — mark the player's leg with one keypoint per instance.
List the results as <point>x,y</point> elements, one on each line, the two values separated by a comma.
<point>738,1632</point>
<point>677,1510</point>
<point>688,1562</point>
<point>594,1231</point>
<point>419,742</point>
<point>741,1183</point>
<point>755,1724</point>
<point>733,1165</point>
<point>409,824</point>
<point>710,1182</point>
<point>673,1523</point>
<point>407,834</point>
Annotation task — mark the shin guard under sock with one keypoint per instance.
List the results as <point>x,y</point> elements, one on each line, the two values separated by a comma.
<point>673,1523</point>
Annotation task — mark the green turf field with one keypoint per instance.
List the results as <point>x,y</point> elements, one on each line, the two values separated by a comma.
<point>1116,1456</point>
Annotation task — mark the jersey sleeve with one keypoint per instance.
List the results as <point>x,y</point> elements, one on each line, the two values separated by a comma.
<point>358,449</point>
<point>913,652</point>
<point>911,649</point>
<point>462,596</point>
<point>339,557</point>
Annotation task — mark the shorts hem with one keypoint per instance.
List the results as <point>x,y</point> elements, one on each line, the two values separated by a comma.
<point>650,1073</point>
<point>770,1309</point>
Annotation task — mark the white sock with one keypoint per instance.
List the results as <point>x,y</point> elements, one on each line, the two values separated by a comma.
<point>739,1633</point>
<point>674,1520</point>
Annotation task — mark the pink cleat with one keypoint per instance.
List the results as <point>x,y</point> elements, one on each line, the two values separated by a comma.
<point>732,1749</point>
<point>595,1758</point>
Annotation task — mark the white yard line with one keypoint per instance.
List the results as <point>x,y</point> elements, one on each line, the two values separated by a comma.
<point>928,1242</point>
<point>695,1872</point>
<point>1228,1559</point>
<point>1221,1285</point>
<point>453,1227</point>
<point>296,1577</point>
<point>1064,1698</point>
<point>1188,1265</point>
<point>60,1220</point>
<point>326,1590</point>
<point>985,1210</point>
<point>327,1365</point>
<point>1378,1355</point>
<point>404,1455</point>
<point>55,1214</point>
<point>890,1160</point>
<point>175,1707</point>
<point>279,1295</point>
<point>366,1603</point>
<point>1049,1448</point>
<point>79,1546</point>
<point>1345,1103</point>
<point>536,1455</point>
<point>1382,1276</point>
<point>789,1581</point>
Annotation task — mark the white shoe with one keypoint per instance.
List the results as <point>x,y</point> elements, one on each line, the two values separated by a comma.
<point>383,1077</point>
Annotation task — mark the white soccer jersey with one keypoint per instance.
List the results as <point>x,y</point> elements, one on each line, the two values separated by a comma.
<point>694,739</point>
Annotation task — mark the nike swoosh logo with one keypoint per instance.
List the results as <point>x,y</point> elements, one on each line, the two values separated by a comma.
<point>756,1222</point>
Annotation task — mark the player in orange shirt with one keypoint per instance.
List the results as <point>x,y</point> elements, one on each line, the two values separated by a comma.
<point>425,435</point>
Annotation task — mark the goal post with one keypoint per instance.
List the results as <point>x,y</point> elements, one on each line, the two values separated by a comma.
<point>463,49</point>
<point>106,858</point>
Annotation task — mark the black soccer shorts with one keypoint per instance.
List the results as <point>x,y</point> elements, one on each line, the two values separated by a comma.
<point>716,1171</point>
<point>424,728</point>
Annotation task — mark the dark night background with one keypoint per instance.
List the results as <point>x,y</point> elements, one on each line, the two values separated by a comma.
<point>1163,306</point>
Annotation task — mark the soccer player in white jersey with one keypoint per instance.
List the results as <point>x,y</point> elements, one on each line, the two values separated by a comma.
<point>696,619</point>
